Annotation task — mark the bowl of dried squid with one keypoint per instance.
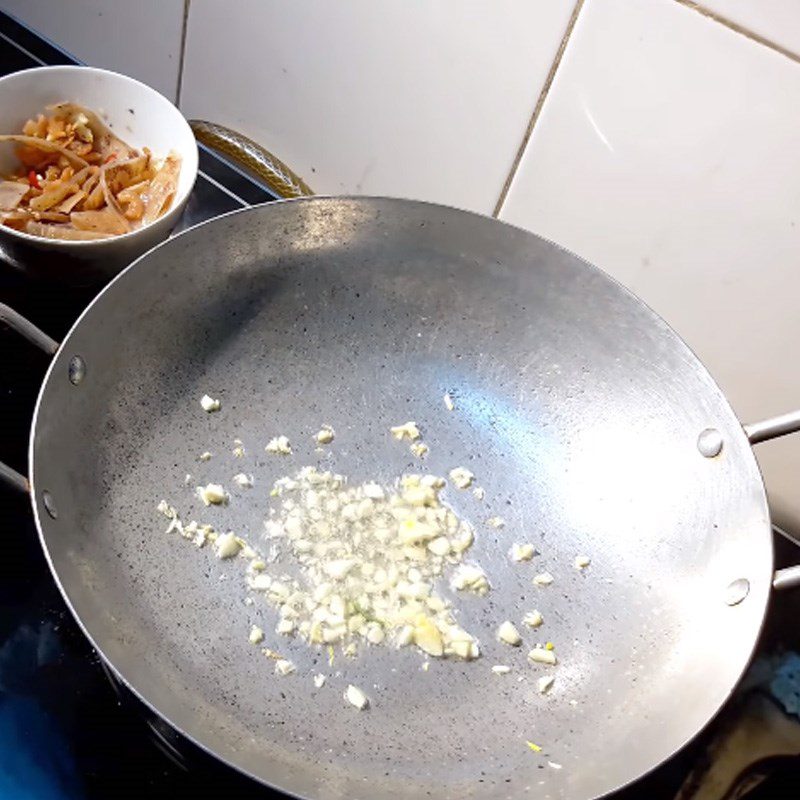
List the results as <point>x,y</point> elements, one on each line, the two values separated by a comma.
<point>95,169</point>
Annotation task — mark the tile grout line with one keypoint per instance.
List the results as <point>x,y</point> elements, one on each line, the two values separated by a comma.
<point>23,50</point>
<point>182,54</point>
<point>740,29</point>
<point>537,108</point>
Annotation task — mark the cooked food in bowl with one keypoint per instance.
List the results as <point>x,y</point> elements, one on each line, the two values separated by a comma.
<point>78,180</point>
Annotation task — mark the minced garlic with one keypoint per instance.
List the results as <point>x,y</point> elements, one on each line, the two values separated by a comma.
<point>356,697</point>
<point>212,494</point>
<point>325,435</point>
<point>279,445</point>
<point>461,477</point>
<point>407,430</point>
<point>209,404</point>
<point>522,552</point>
<point>508,634</point>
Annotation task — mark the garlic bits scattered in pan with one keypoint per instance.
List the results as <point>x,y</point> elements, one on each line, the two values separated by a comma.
<point>359,565</point>
<point>369,558</point>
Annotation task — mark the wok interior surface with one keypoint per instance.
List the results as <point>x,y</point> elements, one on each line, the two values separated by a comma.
<point>578,410</point>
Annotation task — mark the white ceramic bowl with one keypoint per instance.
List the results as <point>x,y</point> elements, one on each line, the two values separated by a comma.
<point>141,117</point>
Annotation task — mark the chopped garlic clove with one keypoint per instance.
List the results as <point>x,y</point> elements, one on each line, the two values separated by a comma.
<point>279,445</point>
<point>356,697</point>
<point>256,635</point>
<point>501,669</point>
<point>427,636</point>
<point>375,634</point>
<point>533,619</point>
<point>470,577</point>
<point>405,636</point>
<point>439,546</point>
<point>166,509</point>
<point>508,634</point>
<point>408,430</point>
<point>244,481</point>
<point>419,449</point>
<point>259,583</point>
<point>463,541</point>
<point>285,627</point>
<point>209,404</point>
<point>461,477</point>
<point>581,562</point>
<point>373,491</point>
<point>205,456</point>
<point>545,683</point>
<point>448,402</point>
<point>479,492</point>
<point>227,545</point>
<point>465,650</point>
<point>522,552</point>
<point>284,667</point>
<point>325,435</point>
<point>212,494</point>
<point>319,680</point>
<point>542,656</point>
<point>175,525</point>
<point>543,579</point>
<point>496,522</point>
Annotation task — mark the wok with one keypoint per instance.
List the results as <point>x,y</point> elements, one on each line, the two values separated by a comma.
<point>592,427</point>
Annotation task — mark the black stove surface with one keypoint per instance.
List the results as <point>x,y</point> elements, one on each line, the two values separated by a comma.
<point>68,729</point>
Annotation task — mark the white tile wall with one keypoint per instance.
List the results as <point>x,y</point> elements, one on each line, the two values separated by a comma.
<point>419,99</point>
<point>141,38</point>
<point>667,154</point>
<point>775,20</point>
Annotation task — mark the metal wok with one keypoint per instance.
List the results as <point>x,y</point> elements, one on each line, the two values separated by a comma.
<point>581,413</point>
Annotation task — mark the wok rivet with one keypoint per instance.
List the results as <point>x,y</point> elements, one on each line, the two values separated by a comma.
<point>77,370</point>
<point>709,442</point>
<point>737,591</point>
<point>49,505</point>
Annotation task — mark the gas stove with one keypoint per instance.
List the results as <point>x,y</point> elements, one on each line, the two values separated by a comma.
<point>70,730</point>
